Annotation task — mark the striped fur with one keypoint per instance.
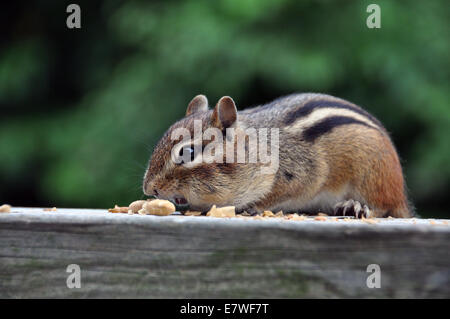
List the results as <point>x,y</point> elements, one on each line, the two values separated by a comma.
<point>327,124</point>
<point>330,150</point>
<point>313,105</point>
<point>317,117</point>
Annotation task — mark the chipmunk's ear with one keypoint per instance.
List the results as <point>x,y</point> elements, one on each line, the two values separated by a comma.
<point>198,104</point>
<point>225,113</point>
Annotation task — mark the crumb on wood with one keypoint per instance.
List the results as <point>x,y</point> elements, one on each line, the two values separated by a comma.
<point>369,220</point>
<point>296,217</point>
<point>118,209</point>
<point>268,213</point>
<point>192,213</point>
<point>164,208</point>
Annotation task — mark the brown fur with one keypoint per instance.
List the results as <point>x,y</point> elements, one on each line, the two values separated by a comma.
<point>349,161</point>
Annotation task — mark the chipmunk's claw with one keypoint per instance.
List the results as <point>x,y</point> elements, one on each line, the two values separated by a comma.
<point>352,208</point>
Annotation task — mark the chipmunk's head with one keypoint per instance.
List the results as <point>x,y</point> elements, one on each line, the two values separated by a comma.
<point>185,166</point>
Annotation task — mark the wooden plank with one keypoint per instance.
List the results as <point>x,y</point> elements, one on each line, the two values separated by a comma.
<point>134,256</point>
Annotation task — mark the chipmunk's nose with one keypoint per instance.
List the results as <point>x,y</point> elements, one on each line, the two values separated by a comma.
<point>149,189</point>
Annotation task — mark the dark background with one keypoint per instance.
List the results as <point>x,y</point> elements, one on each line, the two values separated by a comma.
<point>81,109</point>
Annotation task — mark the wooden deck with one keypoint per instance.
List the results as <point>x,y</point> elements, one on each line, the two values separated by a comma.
<point>135,256</point>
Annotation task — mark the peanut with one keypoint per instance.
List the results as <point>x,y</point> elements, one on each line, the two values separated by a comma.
<point>136,205</point>
<point>158,207</point>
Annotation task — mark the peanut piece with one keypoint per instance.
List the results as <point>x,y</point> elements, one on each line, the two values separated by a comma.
<point>142,212</point>
<point>158,207</point>
<point>118,209</point>
<point>296,217</point>
<point>136,205</point>
<point>5,208</point>
<point>268,213</point>
<point>192,213</point>
<point>227,211</point>
<point>258,217</point>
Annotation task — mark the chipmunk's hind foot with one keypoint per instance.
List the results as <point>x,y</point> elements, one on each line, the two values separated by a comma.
<point>352,208</point>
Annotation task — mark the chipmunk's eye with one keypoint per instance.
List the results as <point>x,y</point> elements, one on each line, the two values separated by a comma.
<point>186,154</point>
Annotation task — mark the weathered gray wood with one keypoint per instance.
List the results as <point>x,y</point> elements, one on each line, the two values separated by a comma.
<point>178,256</point>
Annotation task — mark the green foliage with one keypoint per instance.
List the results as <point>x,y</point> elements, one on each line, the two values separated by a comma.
<point>81,135</point>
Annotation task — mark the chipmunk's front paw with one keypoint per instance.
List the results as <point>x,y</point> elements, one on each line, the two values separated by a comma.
<point>352,208</point>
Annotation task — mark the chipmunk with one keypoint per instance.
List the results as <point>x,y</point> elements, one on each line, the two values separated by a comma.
<point>334,157</point>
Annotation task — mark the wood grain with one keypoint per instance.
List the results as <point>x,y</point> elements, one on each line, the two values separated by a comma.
<point>134,256</point>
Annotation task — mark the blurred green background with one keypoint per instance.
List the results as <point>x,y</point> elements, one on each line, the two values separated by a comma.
<point>81,109</point>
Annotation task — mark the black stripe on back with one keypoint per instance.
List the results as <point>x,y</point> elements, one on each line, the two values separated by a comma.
<point>326,125</point>
<point>310,106</point>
